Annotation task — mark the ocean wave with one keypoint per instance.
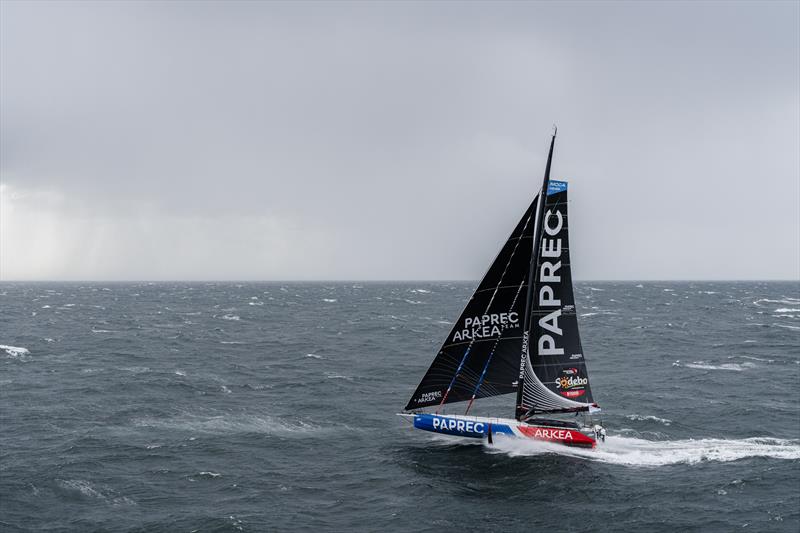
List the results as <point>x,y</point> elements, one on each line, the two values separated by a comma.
<point>97,492</point>
<point>787,310</point>
<point>412,302</point>
<point>334,375</point>
<point>786,300</point>
<point>15,351</point>
<point>229,424</point>
<point>206,475</point>
<point>629,451</point>
<point>643,418</point>
<point>702,365</point>
<point>786,326</point>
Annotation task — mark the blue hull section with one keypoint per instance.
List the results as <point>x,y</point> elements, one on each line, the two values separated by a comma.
<point>477,428</point>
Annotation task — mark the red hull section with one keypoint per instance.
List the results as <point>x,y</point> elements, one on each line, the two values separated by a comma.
<point>569,437</point>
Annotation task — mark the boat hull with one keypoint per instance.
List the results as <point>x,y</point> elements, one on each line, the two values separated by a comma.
<point>488,428</point>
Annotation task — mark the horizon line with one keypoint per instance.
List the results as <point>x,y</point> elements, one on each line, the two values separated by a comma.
<point>598,280</point>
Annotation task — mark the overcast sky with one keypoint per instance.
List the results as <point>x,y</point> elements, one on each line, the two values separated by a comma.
<point>180,140</point>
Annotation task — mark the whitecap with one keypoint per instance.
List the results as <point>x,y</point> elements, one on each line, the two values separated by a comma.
<point>595,289</point>
<point>422,291</point>
<point>787,310</point>
<point>702,365</point>
<point>314,356</point>
<point>230,317</point>
<point>643,418</point>
<point>412,302</point>
<point>333,375</point>
<point>15,351</point>
<point>227,424</point>
<point>180,373</point>
<point>329,300</point>
<point>136,369</point>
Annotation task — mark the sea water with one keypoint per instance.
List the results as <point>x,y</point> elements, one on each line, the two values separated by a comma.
<point>271,407</point>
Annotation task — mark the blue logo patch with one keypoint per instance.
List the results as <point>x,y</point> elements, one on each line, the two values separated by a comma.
<point>554,187</point>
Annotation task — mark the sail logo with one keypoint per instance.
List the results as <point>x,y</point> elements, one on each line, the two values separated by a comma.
<point>430,396</point>
<point>570,382</point>
<point>571,385</point>
<point>486,326</point>
<point>548,275</point>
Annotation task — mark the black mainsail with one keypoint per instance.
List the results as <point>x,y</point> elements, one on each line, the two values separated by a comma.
<point>480,357</point>
<point>515,335</point>
<point>553,372</point>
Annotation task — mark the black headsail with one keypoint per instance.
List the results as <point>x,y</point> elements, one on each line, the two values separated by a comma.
<point>552,372</point>
<point>480,357</point>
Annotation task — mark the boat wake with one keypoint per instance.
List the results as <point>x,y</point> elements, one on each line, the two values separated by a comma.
<point>630,451</point>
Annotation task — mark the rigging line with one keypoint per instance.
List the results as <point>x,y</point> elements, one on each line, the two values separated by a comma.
<point>525,362</point>
<point>488,360</point>
<point>497,341</point>
<point>488,306</point>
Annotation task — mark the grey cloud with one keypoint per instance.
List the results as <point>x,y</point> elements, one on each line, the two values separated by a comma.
<point>396,140</point>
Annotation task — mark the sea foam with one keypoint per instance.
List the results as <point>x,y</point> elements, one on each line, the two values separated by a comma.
<point>635,452</point>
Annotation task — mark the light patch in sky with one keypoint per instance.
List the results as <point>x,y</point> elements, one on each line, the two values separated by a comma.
<point>246,140</point>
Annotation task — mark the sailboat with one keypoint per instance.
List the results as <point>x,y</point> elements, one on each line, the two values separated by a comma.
<point>518,334</point>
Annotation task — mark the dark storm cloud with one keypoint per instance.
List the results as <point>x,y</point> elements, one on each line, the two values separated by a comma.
<point>395,140</point>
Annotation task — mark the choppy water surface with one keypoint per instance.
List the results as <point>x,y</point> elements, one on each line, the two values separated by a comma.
<point>251,407</point>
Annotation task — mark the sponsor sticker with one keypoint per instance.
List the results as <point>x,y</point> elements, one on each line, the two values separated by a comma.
<point>486,326</point>
<point>429,396</point>
<point>571,384</point>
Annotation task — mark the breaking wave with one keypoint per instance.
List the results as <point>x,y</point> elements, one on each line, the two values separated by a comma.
<point>98,492</point>
<point>702,365</point>
<point>629,451</point>
<point>652,418</point>
<point>786,301</point>
<point>229,424</point>
<point>14,351</point>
